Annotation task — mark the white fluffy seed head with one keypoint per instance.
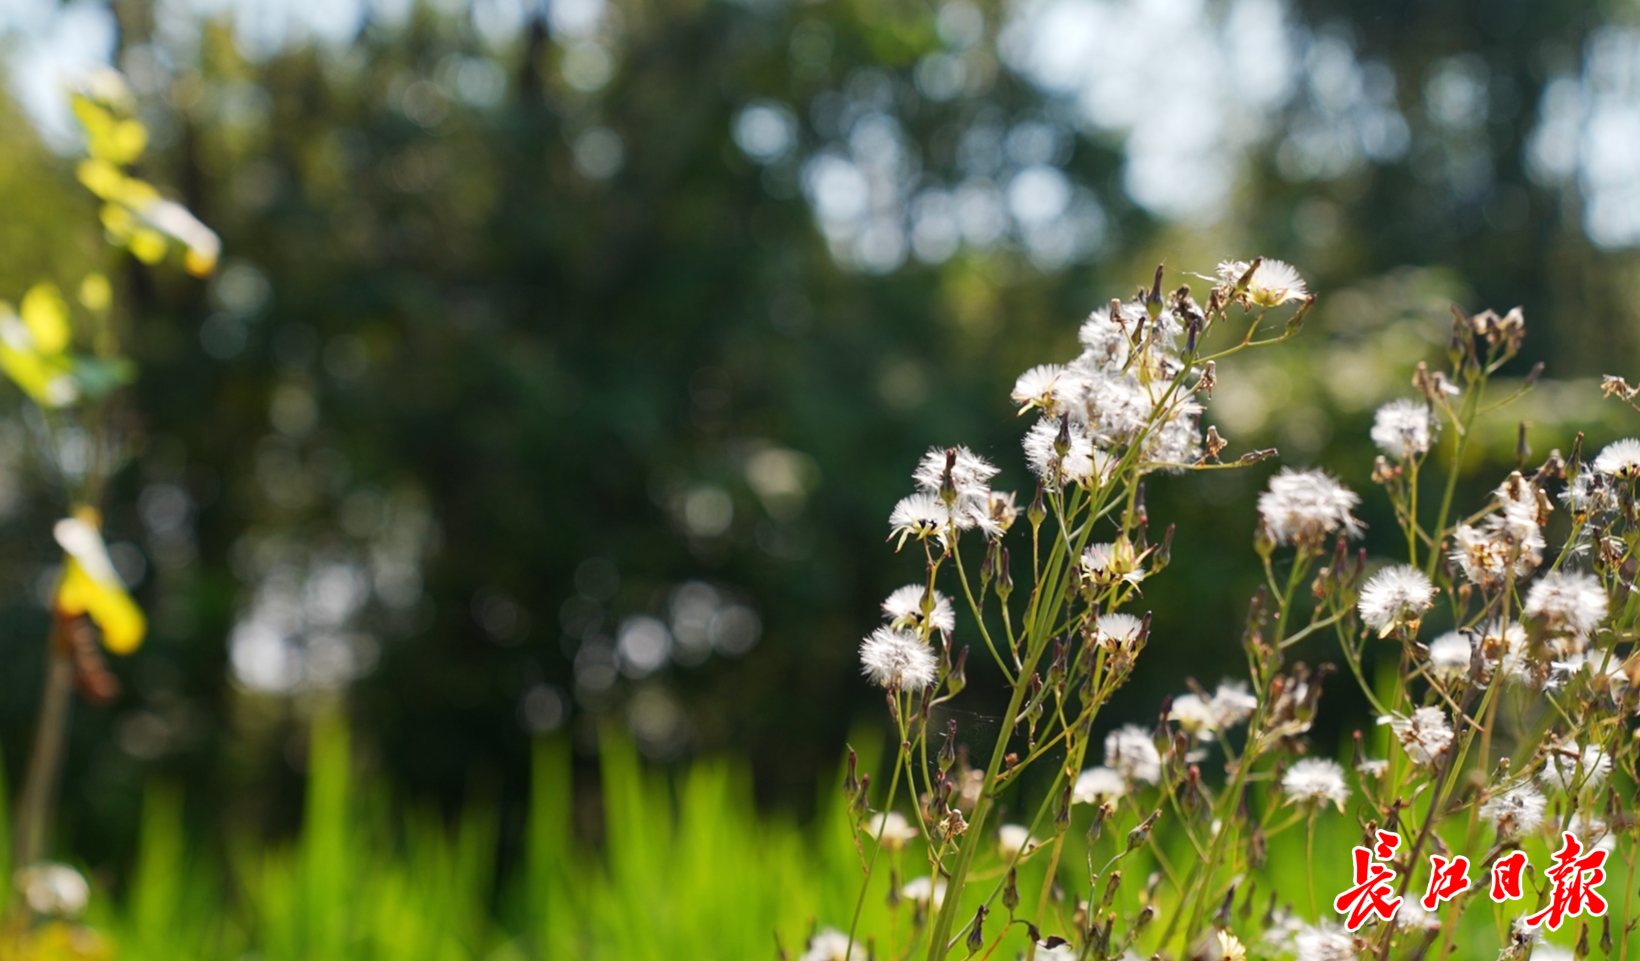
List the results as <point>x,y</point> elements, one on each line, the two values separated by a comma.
<point>831,944</point>
<point>1620,459</point>
<point>1131,752</point>
<point>1424,734</point>
<point>1449,655</point>
<point>897,660</point>
<point>1404,428</point>
<point>1316,779</point>
<point>904,610</point>
<point>1275,282</point>
<point>1570,768</point>
<point>1302,507</point>
<point>1097,785</point>
<point>970,473</point>
<point>1049,388</point>
<point>1569,602</point>
<point>1517,812</point>
<point>1395,595</point>
<point>1324,942</point>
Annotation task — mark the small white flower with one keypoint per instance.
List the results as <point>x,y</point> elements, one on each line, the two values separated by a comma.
<point>970,473</point>
<point>1097,785</point>
<point>1118,631</point>
<point>1232,704</point>
<point>1014,839</point>
<point>1424,734</point>
<point>1107,343</point>
<point>897,661</point>
<point>1590,492</point>
<point>1522,933</point>
<point>924,891</point>
<point>1131,752</point>
<point>54,890</point>
<point>1049,388</point>
<point>1324,942</point>
<point>1082,462</point>
<point>1620,459</point>
<point>1062,951</point>
<point>1585,768</point>
<point>1316,779</point>
<point>831,944</point>
<point>1275,282</point>
<point>1111,563</point>
<point>1516,812</point>
<point>1568,602</point>
<point>919,517</point>
<point>1449,655</point>
<point>1395,595</point>
<point>1412,916</point>
<point>1404,428</point>
<point>1371,767</point>
<point>904,610</point>
<point>891,830</point>
<point>1303,507</point>
<point>1193,714</point>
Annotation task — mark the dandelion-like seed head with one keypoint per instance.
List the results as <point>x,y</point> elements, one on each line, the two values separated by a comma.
<point>1082,462</point>
<point>1620,459</point>
<point>1316,779</point>
<point>1118,631</point>
<point>1404,428</point>
<point>1107,344</point>
<point>925,892</point>
<point>1097,785</point>
<point>1572,768</point>
<point>1232,703</point>
<point>897,660</point>
<point>1590,492</point>
<point>1227,947</point>
<point>1424,733</point>
<point>1324,942</point>
<point>904,610</point>
<point>1569,602</point>
<point>1131,752</point>
<point>1105,565</point>
<point>970,473</point>
<point>919,517</point>
<point>1049,388</point>
<point>1194,716</point>
<point>53,890</point>
<point>831,944</point>
<point>1449,655</point>
<point>1274,283</point>
<point>1396,595</point>
<point>891,830</point>
<point>1014,840</point>
<point>1517,812</point>
<point>1302,507</point>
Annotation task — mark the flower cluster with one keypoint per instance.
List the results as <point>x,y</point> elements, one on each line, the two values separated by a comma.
<point>1510,717</point>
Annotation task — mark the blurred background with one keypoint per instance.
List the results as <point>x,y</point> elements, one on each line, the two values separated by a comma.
<point>568,355</point>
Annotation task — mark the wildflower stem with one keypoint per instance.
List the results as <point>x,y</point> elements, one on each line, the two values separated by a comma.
<point>50,735</point>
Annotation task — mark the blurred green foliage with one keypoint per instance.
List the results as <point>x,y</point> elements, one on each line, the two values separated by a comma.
<point>503,356</point>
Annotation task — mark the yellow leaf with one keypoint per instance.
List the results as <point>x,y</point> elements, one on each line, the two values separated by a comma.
<point>126,141</point>
<point>198,262</point>
<point>147,245</point>
<point>44,379</point>
<point>46,315</point>
<point>91,586</point>
<point>100,177</point>
<point>96,293</point>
